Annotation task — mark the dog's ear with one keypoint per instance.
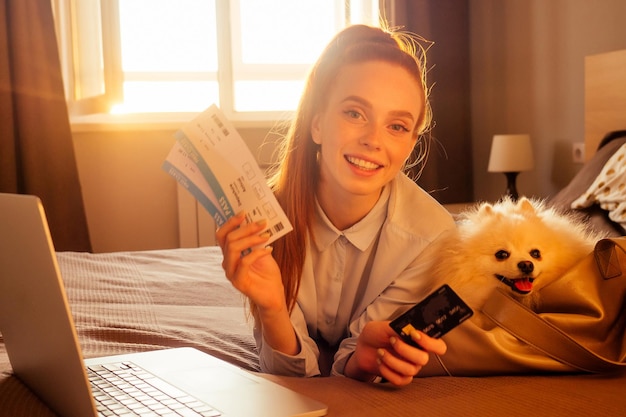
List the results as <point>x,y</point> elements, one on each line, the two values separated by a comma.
<point>526,207</point>
<point>485,209</point>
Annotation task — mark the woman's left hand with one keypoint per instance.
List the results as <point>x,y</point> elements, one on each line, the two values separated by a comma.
<point>380,352</point>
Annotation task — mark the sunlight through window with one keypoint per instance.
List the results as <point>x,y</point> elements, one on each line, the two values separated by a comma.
<point>176,57</point>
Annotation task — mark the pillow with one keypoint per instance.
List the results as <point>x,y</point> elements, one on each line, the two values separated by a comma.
<point>596,217</point>
<point>609,189</point>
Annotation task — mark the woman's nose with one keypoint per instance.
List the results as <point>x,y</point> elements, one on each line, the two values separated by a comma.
<point>371,137</point>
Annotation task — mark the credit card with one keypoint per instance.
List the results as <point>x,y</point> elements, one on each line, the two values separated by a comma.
<point>436,315</point>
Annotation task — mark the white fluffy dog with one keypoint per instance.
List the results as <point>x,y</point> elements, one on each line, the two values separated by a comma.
<point>520,246</point>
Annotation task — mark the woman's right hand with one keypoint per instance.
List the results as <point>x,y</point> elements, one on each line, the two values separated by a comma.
<point>253,272</point>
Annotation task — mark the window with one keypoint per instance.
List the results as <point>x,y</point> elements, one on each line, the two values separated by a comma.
<point>160,56</point>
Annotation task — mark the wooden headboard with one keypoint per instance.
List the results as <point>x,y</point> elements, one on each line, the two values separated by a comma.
<point>605,97</point>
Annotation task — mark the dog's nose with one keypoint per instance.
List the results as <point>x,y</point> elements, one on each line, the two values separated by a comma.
<point>526,267</point>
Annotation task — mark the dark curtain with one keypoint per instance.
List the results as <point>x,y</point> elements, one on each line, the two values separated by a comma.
<point>448,172</point>
<point>36,148</point>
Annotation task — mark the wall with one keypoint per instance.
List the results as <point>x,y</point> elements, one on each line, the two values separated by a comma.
<point>527,76</point>
<point>130,202</point>
<point>526,65</point>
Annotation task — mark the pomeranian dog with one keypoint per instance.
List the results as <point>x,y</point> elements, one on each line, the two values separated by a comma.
<point>520,246</point>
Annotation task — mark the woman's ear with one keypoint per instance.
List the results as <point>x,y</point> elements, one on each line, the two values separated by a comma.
<point>315,129</point>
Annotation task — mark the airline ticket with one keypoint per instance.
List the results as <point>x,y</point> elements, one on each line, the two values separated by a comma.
<point>211,160</point>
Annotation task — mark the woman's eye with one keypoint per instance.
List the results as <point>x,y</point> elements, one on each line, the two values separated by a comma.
<point>353,114</point>
<point>399,128</point>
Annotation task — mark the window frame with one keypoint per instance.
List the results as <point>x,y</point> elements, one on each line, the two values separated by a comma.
<point>67,13</point>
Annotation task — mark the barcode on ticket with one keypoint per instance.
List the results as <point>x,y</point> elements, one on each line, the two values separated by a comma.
<point>275,229</point>
<point>219,124</point>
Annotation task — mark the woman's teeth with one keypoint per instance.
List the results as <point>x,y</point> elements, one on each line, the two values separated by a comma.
<point>361,163</point>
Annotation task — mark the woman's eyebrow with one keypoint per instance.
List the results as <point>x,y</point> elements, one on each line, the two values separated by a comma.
<point>365,103</point>
<point>359,100</point>
<point>402,114</point>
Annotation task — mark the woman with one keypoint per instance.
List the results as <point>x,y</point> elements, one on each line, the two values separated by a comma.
<point>323,295</point>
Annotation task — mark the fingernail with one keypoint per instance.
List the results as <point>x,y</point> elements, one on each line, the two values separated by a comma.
<point>416,335</point>
<point>393,340</point>
<point>380,352</point>
<point>261,222</point>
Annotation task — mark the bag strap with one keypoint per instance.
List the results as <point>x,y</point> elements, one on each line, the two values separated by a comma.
<point>529,327</point>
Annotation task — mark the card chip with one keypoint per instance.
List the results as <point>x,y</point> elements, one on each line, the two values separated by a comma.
<point>406,330</point>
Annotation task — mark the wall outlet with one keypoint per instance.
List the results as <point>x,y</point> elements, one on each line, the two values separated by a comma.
<point>578,152</point>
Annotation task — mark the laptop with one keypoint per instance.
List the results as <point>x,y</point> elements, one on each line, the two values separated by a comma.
<point>42,343</point>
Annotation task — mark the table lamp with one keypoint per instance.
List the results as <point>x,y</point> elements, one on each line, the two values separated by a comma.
<point>511,154</point>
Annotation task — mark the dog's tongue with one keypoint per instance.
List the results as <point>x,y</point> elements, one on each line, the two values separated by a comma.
<point>523,285</point>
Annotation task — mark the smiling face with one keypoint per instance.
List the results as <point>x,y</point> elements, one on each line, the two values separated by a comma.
<point>366,131</point>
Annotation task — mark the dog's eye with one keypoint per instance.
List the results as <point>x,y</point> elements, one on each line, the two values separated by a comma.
<point>535,253</point>
<point>502,255</point>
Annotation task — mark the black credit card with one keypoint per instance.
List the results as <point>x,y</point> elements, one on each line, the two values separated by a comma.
<point>435,315</point>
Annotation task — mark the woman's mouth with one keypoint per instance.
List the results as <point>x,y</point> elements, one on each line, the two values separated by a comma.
<point>362,163</point>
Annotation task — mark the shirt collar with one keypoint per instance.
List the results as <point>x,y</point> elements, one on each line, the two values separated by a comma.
<point>361,234</point>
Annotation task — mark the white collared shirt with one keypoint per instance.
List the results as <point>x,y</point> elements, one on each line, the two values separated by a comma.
<point>341,265</point>
<point>370,271</point>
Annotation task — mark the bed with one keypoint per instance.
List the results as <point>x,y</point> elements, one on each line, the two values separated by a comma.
<point>135,301</point>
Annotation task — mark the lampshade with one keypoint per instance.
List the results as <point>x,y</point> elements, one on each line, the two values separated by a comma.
<point>511,153</point>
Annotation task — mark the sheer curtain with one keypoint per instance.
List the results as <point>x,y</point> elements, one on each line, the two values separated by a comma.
<point>448,171</point>
<point>36,148</point>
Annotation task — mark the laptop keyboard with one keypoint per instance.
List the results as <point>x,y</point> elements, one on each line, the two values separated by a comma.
<point>124,389</point>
